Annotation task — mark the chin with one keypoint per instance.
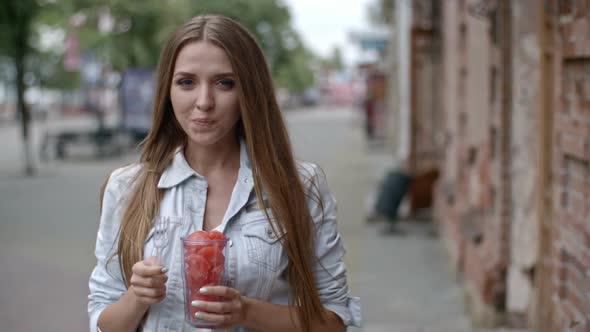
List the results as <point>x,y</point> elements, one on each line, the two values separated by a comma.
<point>205,139</point>
<point>210,137</point>
<point>200,141</point>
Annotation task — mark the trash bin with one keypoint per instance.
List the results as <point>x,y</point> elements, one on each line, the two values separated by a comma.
<point>394,187</point>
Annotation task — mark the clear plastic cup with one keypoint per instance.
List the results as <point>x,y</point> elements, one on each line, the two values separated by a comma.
<point>202,265</point>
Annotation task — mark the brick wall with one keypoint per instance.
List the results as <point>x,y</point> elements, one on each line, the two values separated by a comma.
<point>524,149</point>
<point>471,205</point>
<point>513,201</point>
<point>571,172</point>
<point>490,198</point>
<point>425,98</point>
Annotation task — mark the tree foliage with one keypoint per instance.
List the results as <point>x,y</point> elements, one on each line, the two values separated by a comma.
<point>296,75</point>
<point>16,21</point>
<point>126,34</point>
<point>334,61</point>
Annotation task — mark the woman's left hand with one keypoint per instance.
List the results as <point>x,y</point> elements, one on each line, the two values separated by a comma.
<point>231,312</point>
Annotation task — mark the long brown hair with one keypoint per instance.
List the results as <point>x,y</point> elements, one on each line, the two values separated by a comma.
<point>273,166</point>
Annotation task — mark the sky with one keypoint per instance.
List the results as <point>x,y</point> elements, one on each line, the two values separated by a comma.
<point>324,24</point>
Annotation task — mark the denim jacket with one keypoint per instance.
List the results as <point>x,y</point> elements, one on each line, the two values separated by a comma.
<point>255,260</point>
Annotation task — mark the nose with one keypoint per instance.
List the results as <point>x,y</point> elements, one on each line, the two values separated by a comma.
<point>204,100</point>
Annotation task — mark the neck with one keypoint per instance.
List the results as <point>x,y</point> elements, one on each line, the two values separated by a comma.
<point>206,159</point>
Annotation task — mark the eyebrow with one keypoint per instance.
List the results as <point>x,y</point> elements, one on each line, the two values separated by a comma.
<point>187,74</point>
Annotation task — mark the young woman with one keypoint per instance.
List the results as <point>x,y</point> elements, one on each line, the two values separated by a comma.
<point>218,157</point>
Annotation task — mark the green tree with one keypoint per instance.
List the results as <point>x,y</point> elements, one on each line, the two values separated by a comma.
<point>20,27</point>
<point>270,22</point>
<point>122,34</point>
<point>138,32</point>
<point>127,34</point>
<point>334,61</point>
<point>296,75</point>
<point>16,22</point>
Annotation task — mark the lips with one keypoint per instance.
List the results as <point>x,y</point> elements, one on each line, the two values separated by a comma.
<point>202,122</point>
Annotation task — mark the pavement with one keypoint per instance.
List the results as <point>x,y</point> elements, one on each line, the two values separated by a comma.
<point>404,282</point>
<point>48,227</point>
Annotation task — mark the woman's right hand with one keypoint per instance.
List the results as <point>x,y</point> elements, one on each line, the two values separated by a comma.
<point>148,281</point>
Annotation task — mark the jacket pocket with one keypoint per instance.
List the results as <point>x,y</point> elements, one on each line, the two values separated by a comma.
<point>263,245</point>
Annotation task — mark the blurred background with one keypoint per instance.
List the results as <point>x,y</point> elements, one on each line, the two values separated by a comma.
<point>455,135</point>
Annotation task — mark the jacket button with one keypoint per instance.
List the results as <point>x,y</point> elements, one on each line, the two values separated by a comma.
<point>230,242</point>
<point>270,233</point>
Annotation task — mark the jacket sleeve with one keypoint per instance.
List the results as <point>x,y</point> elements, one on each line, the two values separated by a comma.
<point>106,281</point>
<point>330,270</point>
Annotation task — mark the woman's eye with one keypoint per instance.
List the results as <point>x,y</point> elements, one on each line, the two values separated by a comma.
<point>185,82</point>
<point>226,83</point>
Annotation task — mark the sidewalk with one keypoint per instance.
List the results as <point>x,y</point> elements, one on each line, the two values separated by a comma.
<point>11,154</point>
<point>405,282</point>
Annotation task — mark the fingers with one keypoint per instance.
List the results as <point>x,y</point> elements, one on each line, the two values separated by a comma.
<point>223,291</point>
<point>147,275</point>
<point>148,281</point>
<point>149,295</point>
<point>227,319</point>
<point>148,268</point>
<point>149,292</point>
<point>151,260</point>
<point>227,313</point>
<point>218,307</point>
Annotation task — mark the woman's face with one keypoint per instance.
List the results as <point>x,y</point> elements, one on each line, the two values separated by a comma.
<point>204,94</point>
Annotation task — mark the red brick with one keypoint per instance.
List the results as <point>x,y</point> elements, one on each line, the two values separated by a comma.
<point>576,168</point>
<point>567,125</point>
<point>568,311</point>
<point>580,185</point>
<point>573,147</point>
<point>573,316</point>
<point>576,280</point>
<point>576,205</point>
<point>573,242</point>
<point>561,199</point>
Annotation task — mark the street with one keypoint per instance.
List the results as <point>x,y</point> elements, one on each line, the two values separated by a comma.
<point>48,226</point>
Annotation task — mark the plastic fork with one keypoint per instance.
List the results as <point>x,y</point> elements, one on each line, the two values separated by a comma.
<point>160,236</point>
